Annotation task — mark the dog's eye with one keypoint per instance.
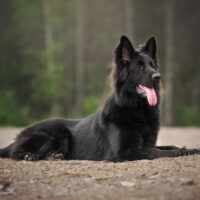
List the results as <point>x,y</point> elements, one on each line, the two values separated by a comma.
<point>139,67</point>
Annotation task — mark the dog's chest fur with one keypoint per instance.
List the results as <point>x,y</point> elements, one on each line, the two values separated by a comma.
<point>137,126</point>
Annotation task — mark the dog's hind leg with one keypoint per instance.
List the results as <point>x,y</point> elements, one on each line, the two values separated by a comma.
<point>63,150</point>
<point>31,145</point>
<point>5,152</point>
<point>39,155</point>
<point>44,150</point>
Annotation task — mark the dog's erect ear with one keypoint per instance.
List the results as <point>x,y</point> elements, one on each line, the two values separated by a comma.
<point>150,47</point>
<point>125,50</point>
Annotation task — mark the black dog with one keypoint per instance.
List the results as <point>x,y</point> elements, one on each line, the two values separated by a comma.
<point>125,128</point>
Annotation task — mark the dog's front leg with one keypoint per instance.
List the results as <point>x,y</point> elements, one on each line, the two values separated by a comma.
<point>152,153</point>
<point>170,147</point>
<point>183,151</point>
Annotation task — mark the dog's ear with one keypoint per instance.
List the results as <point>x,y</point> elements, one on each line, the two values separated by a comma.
<point>150,47</point>
<point>125,50</point>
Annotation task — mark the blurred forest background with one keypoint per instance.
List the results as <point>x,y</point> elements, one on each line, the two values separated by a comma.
<point>56,56</point>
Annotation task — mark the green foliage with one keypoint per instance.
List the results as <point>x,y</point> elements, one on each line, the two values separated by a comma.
<point>29,88</point>
<point>12,112</point>
<point>90,105</point>
<point>188,116</point>
<point>46,85</point>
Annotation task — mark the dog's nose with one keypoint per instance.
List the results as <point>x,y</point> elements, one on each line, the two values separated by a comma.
<point>156,77</point>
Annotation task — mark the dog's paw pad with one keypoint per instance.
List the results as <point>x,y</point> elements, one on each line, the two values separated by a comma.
<point>30,157</point>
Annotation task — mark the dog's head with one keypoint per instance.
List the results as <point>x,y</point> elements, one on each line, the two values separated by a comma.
<point>135,73</point>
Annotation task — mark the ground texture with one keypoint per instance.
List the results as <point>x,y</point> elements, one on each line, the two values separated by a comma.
<point>166,178</point>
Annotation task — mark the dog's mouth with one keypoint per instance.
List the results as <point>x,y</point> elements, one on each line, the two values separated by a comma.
<point>147,92</point>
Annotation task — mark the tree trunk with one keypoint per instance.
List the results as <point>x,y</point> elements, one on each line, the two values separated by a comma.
<point>169,66</point>
<point>49,49</point>
<point>128,18</point>
<point>48,35</point>
<point>80,65</point>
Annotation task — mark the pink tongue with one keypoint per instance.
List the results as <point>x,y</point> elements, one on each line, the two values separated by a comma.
<point>151,95</point>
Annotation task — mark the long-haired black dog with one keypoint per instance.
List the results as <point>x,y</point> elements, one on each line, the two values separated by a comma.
<point>125,128</point>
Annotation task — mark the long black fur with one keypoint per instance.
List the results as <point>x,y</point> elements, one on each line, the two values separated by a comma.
<point>125,128</point>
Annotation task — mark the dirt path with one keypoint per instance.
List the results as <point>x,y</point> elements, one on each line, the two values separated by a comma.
<point>162,179</point>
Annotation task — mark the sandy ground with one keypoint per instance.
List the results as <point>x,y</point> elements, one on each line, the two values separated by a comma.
<point>166,178</point>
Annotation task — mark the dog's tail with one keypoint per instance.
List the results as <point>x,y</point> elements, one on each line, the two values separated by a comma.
<point>5,152</point>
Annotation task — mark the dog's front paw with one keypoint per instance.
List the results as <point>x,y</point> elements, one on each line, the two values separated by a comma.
<point>186,152</point>
<point>193,151</point>
<point>30,157</point>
